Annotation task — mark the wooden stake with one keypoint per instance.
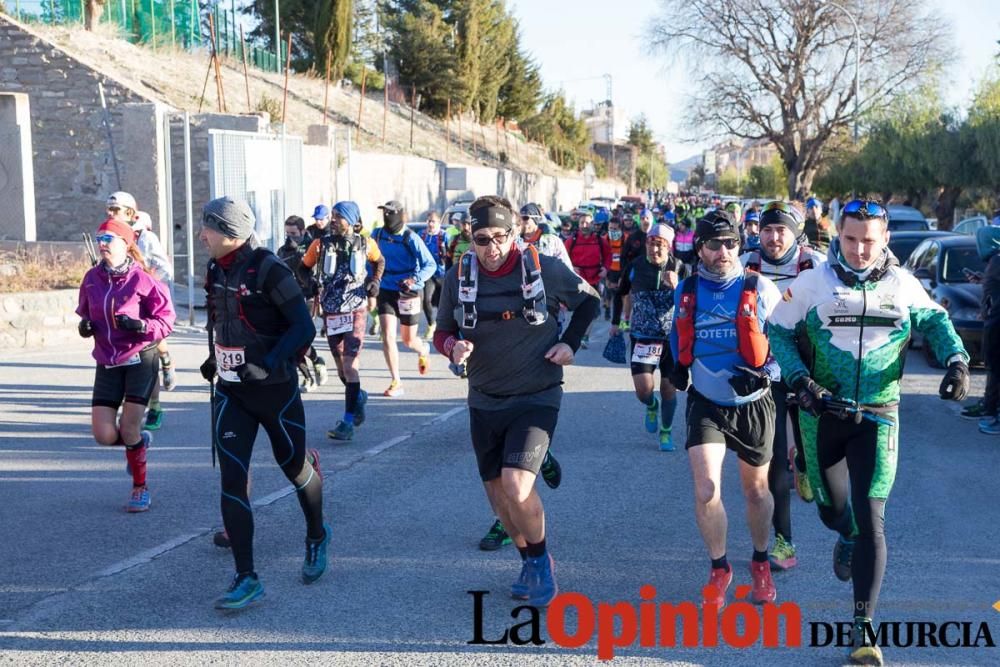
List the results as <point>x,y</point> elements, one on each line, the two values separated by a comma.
<point>496,133</point>
<point>288,67</point>
<point>413,109</point>
<point>361,102</point>
<point>246,72</point>
<point>447,130</point>
<point>204,88</point>
<point>220,93</point>
<point>326,94</point>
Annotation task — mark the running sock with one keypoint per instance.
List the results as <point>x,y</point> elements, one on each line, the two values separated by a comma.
<point>667,409</point>
<point>154,404</point>
<point>720,562</point>
<point>759,556</point>
<point>649,400</point>
<point>348,418</point>
<point>535,550</point>
<point>523,551</point>
<point>351,398</point>
<point>136,455</point>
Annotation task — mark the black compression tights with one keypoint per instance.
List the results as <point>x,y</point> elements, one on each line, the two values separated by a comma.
<point>848,463</point>
<point>778,478</point>
<point>239,411</point>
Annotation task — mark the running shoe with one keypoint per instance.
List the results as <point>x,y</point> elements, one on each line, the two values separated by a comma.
<point>782,555</point>
<point>138,500</point>
<point>308,383</point>
<point>541,580</point>
<point>342,431</point>
<point>359,408</point>
<point>551,471</point>
<point>169,377</point>
<point>423,364</point>
<point>974,411</point>
<point>245,589</point>
<point>321,373</point>
<point>312,456</point>
<point>221,539</point>
<point>395,389</point>
<point>314,564</point>
<point>718,582</point>
<point>154,419</point>
<point>585,343</point>
<point>652,418</point>
<point>147,440</point>
<point>624,326</point>
<point>803,487</point>
<point>989,426</point>
<point>373,328</point>
<point>519,589</point>
<point>763,585</point>
<point>843,551</point>
<point>666,440</point>
<point>495,537</point>
<point>861,651</point>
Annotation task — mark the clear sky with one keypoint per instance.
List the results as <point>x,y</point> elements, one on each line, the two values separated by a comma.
<point>577,41</point>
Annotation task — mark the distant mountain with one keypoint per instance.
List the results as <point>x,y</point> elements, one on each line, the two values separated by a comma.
<point>679,170</point>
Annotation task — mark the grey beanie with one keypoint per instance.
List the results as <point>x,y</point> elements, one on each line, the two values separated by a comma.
<point>229,217</point>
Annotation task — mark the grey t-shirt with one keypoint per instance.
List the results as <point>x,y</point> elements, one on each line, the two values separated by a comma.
<point>507,366</point>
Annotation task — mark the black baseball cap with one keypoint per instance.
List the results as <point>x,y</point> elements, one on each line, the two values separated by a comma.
<point>392,206</point>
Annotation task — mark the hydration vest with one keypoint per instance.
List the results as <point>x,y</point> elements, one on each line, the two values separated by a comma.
<point>533,309</point>
<point>343,269</point>
<point>751,341</point>
<point>754,261</point>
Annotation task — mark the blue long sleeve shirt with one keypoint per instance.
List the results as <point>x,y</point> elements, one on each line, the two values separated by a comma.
<point>406,256</point>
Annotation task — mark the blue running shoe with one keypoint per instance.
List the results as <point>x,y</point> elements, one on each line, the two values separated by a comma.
<point>359,409</point>
<point>989,426</point>
<point>342,431</point>
<point>245,589</point>
<point>138,500</point>
<point>666,441</point>
<point>541,580</point>
<point>519,589</point>
<point>315,563</point>
<point>653,415</point>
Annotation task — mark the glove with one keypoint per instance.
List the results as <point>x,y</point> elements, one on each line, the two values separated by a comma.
<point>955,384</point>
<point>372,289</point>
<point>208,369</point>
<point>86,328</point>
<point>680,377</point>
<point>130,324</point>
<point>810,395</point>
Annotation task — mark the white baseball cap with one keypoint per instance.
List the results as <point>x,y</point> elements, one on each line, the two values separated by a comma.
<point>123,200</point>
<point>142,221</point>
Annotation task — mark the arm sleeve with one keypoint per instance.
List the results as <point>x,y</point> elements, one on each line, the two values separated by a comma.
<point>312,254</point>
<point>930,319</point>
<point>446,326</point>
<point>282,291</point>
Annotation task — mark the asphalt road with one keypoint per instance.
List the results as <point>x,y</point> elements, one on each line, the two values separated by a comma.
<point>82,582</point>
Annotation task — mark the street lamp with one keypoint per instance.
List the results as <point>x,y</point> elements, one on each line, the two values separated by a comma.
<point>857,62</point>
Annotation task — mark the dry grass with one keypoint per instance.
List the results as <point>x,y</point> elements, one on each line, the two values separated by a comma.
<point>37,270</point>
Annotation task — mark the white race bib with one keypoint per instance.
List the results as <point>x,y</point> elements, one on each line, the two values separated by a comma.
<point>647,353</point>
<point>131,361</point>
<point>228,359</point>
<point>338,324</point>
<point>409,306</point>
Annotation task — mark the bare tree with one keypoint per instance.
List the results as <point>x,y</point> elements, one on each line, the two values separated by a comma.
<point>783,70</point>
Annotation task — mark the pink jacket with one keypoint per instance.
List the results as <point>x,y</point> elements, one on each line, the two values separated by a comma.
<point>136,294</point>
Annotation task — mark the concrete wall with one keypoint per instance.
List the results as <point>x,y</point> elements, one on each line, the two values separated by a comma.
<point>74,173</point>
<point>17,181</point>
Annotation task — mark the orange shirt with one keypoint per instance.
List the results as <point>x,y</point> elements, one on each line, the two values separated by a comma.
<point>312,254</point>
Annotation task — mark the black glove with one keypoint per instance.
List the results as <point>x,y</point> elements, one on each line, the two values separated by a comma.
<point>810,395</point>
<point>372,289</point>
<point>130,324</point>
<point>955,384</point>
<point>208,369</point>
<point>680,377</point>
<point>86,328</point>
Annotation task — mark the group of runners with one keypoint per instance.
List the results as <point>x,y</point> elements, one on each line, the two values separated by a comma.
<point>790,356</point>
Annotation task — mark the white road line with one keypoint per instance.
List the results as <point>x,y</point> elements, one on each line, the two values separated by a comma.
<point>147,555</point>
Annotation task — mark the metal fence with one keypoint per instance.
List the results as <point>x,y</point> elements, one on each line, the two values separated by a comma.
<point>159,23</point>
<point>264,170</point>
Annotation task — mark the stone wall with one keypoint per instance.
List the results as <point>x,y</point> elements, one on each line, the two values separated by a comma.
<point>38,319</point>
<point>74,172</point>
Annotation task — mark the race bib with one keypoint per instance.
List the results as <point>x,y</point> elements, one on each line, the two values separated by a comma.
<point>338,324</point>
<point>616,256</point>
<point>647,353</point>
<point>228,359</point>
<point>131,361</point>
<point>410,306</point>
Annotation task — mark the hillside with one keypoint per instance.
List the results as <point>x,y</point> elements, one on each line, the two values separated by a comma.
<point>176,78</point>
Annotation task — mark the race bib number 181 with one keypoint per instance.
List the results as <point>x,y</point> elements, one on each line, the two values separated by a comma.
<point>647,353</point>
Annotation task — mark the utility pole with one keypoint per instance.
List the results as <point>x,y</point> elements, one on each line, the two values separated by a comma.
<point>277,36</point>
<point>611,125</point>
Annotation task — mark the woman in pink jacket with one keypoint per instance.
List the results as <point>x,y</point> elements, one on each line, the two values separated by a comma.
<point>127,312</point>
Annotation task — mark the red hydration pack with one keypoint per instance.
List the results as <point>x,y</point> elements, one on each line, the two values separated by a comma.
<point>752,343</point>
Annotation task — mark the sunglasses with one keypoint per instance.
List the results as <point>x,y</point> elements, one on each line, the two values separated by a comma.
<point>105,239</point>
<point>784,207</point>
<point>715,244</point>
<point>864,209</point>
<point>114,209</point>
<point>498,239</point>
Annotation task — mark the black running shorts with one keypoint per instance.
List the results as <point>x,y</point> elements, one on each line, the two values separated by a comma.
<point>133,384</point>
<point>388,302</point>
<point>515,437</point>
<point>746,429</point>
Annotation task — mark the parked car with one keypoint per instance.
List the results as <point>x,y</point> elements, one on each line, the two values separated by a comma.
<point>906,218</point>
<point>970,225</point>
<point>942,264</point>
<point>902,244</point>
